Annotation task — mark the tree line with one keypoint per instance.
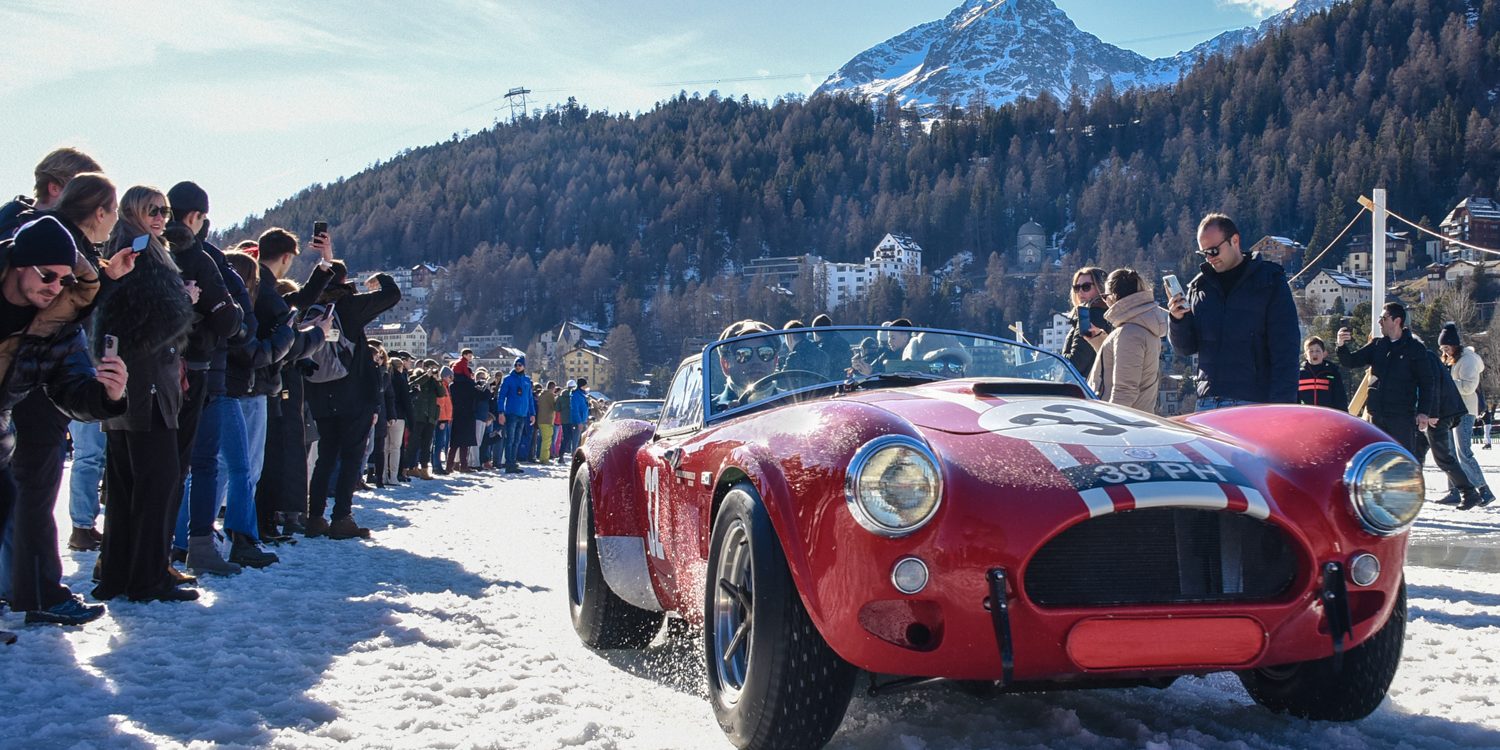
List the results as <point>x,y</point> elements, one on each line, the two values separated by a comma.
<point>647,220</point>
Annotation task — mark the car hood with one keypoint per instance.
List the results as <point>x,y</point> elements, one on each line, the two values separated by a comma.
<point>1113,457</point>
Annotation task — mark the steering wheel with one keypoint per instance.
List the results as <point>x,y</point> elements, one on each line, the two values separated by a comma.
<point>784,380</point>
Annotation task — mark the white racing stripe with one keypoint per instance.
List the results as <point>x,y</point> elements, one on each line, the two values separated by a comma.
<point>1113,454</point>
<point>1213,456</point>
<point>970,402</point>
<point>1060,458</point>
<point>1098,501</point>
<point>1259,508</point>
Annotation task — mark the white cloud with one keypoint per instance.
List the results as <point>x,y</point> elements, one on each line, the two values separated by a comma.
<point>1261,8</point>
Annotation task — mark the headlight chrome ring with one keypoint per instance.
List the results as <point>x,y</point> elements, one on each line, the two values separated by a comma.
<point>1385,504</point>
<point>902,454</point>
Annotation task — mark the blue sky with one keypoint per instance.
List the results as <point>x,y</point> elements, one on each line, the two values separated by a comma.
<point>256,100</point>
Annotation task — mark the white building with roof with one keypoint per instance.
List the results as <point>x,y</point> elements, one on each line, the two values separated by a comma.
<point>399,337</point>
<point>1055,333</point>
<point>896,256</point>
<point>1328,288</point>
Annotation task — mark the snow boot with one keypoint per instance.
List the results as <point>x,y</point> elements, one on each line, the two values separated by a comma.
<point>84,540</point>
<point>346,528</point>
<point>1485,496</point>
<point>1452,498</point>
<point>180,578</point>
<point>7,638</point>
<point>245,551</point>
<point>203,557</point>
<point>315,526</point>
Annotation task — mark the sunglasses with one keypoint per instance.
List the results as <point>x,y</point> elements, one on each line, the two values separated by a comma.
<point>1211,252</point>
<point>945,368</point>
<point>744,353</point>
<point>1087,286</point>
<point>49,277</point>
<point>163,211</point>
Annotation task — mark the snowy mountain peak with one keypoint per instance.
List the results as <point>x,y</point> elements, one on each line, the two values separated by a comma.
<point>1000,50</point>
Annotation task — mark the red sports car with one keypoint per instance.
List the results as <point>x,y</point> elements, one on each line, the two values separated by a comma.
<point>955,506</point>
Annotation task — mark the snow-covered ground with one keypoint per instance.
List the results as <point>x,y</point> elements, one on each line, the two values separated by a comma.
<point>450,629</point>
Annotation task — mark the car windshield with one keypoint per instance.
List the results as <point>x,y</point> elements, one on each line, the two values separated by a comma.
<point>647,410</point>
<point>762,366</point>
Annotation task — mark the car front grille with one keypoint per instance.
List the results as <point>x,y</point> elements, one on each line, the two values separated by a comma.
<point>1162,556</point>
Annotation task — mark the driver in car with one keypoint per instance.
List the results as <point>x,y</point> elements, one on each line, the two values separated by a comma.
<point>744,362</point>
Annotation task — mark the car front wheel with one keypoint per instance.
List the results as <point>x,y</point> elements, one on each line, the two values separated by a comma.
<point>602,619</point>
<point>1316,690</point>
<point>773,681</point>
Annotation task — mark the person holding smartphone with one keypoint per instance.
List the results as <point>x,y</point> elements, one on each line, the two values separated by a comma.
<point>1238,316</point>
<point>1087,322</point>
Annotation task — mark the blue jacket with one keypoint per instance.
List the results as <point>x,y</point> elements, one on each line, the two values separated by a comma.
<point>1247,342</point>
<point>578,407</point>
<point>514,399</point>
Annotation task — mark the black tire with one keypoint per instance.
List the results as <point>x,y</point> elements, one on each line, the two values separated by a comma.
<point>1314,690</point>
<point>780,686</point>
<point>602,619</point>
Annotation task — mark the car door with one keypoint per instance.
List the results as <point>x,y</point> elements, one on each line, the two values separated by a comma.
<point>663,473</point>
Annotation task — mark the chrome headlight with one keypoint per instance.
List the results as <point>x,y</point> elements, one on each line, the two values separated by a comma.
<point>1385,485</point>
<point>894,486</point>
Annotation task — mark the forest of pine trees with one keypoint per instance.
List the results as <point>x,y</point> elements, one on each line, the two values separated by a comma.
<point>644,220</point>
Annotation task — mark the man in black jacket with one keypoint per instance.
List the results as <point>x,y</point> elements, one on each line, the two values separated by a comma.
<point>1403,389</point>
<point>222,307</point>
<point>345,408</point>
<point>46,288</point>
<point>1239,318</point>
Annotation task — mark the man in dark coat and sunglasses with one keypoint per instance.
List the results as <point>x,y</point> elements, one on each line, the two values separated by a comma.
<point>1239,318</point>
<point>743,362</point>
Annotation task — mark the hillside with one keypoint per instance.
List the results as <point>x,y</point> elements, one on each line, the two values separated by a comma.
<point>634,219</point>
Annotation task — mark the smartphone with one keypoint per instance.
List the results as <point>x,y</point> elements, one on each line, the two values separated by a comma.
<point>1172,285</point>
<point>140,243</point>
<point>319,227</point>
<point>333,334</point>
<point>111,346</point>
<point>1084,323</point>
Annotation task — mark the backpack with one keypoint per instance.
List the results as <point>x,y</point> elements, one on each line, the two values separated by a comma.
<point>334,358</point>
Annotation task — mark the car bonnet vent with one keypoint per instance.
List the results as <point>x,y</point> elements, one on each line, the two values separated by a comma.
<point>1008,387</point>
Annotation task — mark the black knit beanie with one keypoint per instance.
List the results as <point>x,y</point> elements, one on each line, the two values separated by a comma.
<point>43,242</point>
<point>1449,335</point>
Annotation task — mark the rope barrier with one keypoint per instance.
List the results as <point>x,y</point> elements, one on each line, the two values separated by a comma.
<point>1309,265</point>
<point>1425,230</point>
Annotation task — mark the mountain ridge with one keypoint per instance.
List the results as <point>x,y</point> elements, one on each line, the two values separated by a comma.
<point>1001,50</point>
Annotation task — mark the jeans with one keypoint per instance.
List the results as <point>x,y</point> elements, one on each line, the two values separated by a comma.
<point>440,444</point>
<point>1463,443</point>
<point>515,429</point>
<point>1209,403</point>
<point>239,478</point>
<point>88,470</point>
<point>220,440</point>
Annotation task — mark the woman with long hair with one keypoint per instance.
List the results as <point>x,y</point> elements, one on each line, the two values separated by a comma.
<point>149,314</point>
<point>1087,296</point>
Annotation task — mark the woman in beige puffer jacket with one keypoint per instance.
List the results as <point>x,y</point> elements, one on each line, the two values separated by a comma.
<point>1128,369</point>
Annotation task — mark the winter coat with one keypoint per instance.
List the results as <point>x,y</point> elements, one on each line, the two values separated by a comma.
<point>387,394</point>
<point>425,390</point>
<point>271,308</point>
<point>1128,369</point>
<point>578,407</point>
<point>151,316</point>
<point>838,351</point>
<point>1450,403</point>
<point>14,213</point>
<point>1076,347</point>
<point>357,393</point>
<point>270,343</point>
<point>1405,384</point>
<point>546,407</point>
<point>401,396</point>
<point>805,355</point>
<point>51,353</point>
<point>464,394</point>
<point>219,315</point>
<point>445,403</point>
<point>564,403</point>
<point>1247,340</point>
<point>515,397</point>
<point>1322,385</point>
<point>1466,372</point>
